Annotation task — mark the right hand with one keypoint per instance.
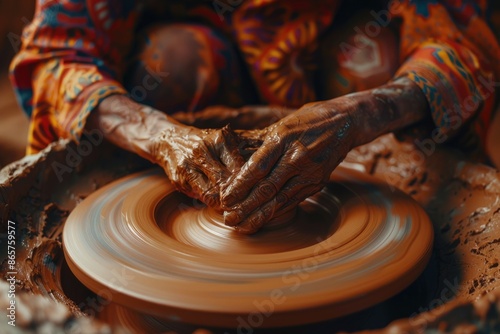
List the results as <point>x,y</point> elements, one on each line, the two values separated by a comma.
<point>197,161</point>
<point>295,160</point>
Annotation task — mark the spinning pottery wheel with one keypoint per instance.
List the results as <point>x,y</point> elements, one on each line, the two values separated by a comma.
<point>354,244</point>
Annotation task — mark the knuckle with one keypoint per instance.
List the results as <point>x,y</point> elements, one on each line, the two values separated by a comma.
<point>249,204</point>
<point>296,155</point>
<point>265,190</point>
<point>259,168</point>
<point>292,201</point>
<point>282,199</point>
<point>286,170</point>
<point>267,212</point>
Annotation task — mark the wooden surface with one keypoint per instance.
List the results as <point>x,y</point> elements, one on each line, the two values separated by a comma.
<point>13,125</point>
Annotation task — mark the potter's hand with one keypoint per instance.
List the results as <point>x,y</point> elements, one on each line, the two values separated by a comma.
<point>295,160</point>
<point>197,161</point>
<point>299,152</point>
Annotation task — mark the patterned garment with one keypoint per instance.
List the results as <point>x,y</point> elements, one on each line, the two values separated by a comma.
<point>73,54</point>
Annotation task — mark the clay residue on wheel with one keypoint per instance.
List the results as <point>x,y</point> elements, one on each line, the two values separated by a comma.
<point>38,199</point>
<point>461,198</point>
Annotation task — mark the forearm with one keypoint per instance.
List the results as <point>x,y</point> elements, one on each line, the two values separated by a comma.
<point>130,125</point>
<point>388,108</point>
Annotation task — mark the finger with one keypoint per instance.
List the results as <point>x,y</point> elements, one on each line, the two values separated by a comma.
<point>202,189</point>
<point>257,167</point>
<point>210,162</point>
<point>263,191</point>
<point>220,156</point>
<point>229,153</point>
<point>213,169</point>
<point>296,199</point>
<point>295,192</point>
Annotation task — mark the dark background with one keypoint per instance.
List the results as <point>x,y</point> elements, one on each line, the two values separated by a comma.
<point>14,14</point>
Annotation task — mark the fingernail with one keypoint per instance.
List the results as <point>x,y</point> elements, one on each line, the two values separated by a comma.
<point>232,218</point>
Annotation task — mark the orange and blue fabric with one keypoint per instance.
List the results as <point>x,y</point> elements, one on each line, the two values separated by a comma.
<point>73,51</point>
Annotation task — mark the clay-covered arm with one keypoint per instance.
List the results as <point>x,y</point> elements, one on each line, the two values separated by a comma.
<point>130,125</point>
<point>388,108</point>
<point>300,151</point>
<point>195,160</point>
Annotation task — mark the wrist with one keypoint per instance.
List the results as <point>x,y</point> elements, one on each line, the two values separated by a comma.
<point>130,125</point>
<point>145,129</point>
<point>351,110</point>
<point>387,108</point>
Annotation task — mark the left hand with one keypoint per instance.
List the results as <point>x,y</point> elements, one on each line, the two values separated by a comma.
<point>295,160</point>
<point>196,161</point>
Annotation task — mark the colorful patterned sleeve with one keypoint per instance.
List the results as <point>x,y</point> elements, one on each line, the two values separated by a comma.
<point>71,58</point>
<point>450,52</point>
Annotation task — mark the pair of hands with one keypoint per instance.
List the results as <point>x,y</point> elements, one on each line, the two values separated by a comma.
<point>254,176</point>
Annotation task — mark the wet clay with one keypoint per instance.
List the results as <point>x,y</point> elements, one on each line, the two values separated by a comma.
<point>35,194</point>
<point>460,197</point>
